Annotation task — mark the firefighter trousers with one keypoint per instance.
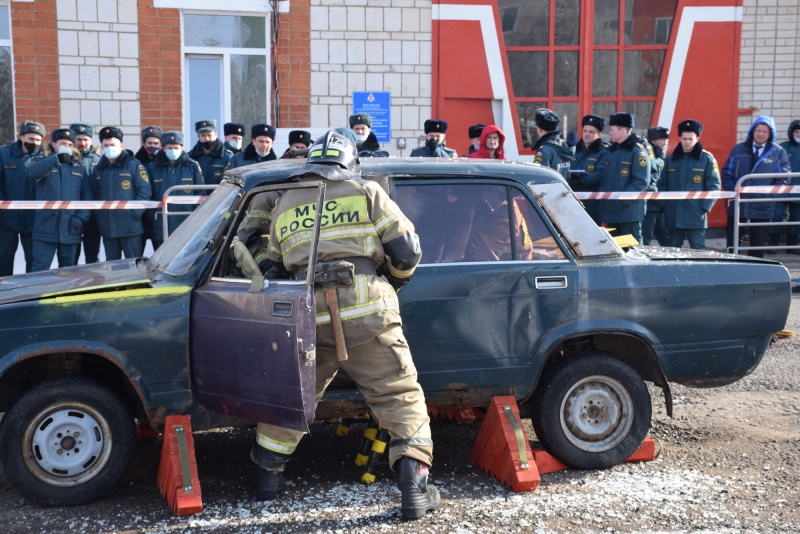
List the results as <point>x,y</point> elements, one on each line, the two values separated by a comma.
<point>386,376</point>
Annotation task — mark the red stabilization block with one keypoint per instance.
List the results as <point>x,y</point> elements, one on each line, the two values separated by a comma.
<point>547,463</point>
<point>496,451</point>
<point>183,499</point>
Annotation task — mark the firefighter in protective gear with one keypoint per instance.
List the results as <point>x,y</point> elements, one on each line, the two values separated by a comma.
<point>363,226</point>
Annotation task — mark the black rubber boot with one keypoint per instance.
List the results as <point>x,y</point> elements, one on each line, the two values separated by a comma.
<point>791,241</point>
<point>417,497</point>
<point>269,484</point>
<point>269,478</point>
<point>774,239</point>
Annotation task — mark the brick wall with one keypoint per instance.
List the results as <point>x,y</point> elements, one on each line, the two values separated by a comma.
<point>769,72</point>
<point>98,62</point>
<point>160,66</point>
<point>293,58</point>
<point>36,77</point>
<point>385,46</point>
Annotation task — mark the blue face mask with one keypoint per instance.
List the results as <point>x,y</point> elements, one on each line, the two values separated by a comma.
<point>173,153</point>
<point>796,139</point>
<point>112,152</point>
<point>64,150</point>
<point>235,144</point>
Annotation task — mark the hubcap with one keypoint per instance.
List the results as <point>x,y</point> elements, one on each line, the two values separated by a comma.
<point>597,413</point>
<point>67,444</point>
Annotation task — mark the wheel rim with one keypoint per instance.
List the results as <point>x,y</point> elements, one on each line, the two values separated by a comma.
<point>597,413</point>
<point>67,444</point>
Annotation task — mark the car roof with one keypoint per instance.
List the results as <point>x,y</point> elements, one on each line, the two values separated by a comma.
<point>394,167</point>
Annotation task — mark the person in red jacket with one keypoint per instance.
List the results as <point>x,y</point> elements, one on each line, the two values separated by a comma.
<point>492,140</point>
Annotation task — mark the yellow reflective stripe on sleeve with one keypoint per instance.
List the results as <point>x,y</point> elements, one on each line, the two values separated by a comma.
<point>369,246</point>
<point>282,447</point>
<point>259,214</point>
<point>358,310</point>
<point>385,221</point>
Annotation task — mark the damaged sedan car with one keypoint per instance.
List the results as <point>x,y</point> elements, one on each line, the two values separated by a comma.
<point>518,293</point>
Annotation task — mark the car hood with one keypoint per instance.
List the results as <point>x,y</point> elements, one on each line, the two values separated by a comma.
<point>70,280</point>
<point>671,253</point>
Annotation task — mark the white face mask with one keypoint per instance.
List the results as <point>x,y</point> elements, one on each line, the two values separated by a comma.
<point>261,154</point>
<point>477,143</point>
<point>235,144</point>
<point>64,150</point>
<point>361,138</point>
<point>173,153</point>
<point>797,140</point>
<point>112,152</point>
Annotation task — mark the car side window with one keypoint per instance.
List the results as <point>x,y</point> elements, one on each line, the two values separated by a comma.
<point>475,223</point>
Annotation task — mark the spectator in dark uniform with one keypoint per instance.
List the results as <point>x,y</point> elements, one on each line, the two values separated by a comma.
<point>119,176</point>
<point>368,145</point>
<point>151,147</point>
<point>299,141</point>
<point>90,157</point>
<point>234,135</point>
<point>262,137</point>
<point>688,168</point>
<point>173,168</point>
<point>624,168</point>
<point>210,152</point>
<point>474,133</point>
<point>757,155</point>
<point>792,200</point>
<point>550,149</point>
<point>588,153</point>
<point>653,224</point>
<point>16,225</point>
<point>435,144</point>
<point>59,176</point>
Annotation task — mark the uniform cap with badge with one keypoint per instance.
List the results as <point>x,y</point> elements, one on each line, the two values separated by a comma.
<point>82,128</point>
<point>32,127</point>
<point>172,138</point>
<point>547,119</point>
<point>63,133</point>
<point>594,120</point>
<point>233,128</point>
<point>259,130</point>
<point>300,136</point>
<point>360,118</point>
<point>151,131</point>
<point>626,120</point>
<point>690,126</point>
<point>435,126</point>
<point>109,132</point>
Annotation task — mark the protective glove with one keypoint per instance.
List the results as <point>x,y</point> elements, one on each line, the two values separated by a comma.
<point>64,158</point>
<point>432,144</point>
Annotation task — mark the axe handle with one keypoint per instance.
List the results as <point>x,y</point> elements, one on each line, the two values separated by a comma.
<point>336,323</point>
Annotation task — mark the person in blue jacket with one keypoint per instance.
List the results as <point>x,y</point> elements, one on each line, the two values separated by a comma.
<point>588,153</point>
<point>262,137</point>
<point>16,225</point>
<point>173,167</point>
<point>435,143</point>
<point>624,168</point>
<point>59,176</point>
<point>550,148</point>
<point>90,157</point>
<point>688,168</point>
<point>792,202</point>
<point>758,154</point>
<point>210,152</point>
<point>118,176</point>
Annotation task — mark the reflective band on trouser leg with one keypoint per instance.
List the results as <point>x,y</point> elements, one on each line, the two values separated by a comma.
<point>385,373</point>
<point>277,439</point>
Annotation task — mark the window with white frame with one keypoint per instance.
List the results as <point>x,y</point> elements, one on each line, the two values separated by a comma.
<point>226,69</point>
<point>7,123</point>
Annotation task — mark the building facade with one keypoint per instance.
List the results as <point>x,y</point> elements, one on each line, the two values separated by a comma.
<point>297,63</point>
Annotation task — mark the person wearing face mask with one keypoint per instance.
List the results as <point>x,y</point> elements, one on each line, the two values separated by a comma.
<point>368,145</point>
<point>299,141</point>
<point>90,157</point>
<point>59,176</point>
<point>119,176</point>
<point>173,167</point>
<point>435,133</point>
<point>262,136</point>
<point>474,138</point>
<point>210,152</point>
<point>234,136</point>
<point>151,147</point>
<point>792,148</point>
<point>16,225</point>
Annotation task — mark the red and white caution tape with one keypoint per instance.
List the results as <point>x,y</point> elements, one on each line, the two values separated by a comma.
<point>684,195</point>
<point>96,204</point>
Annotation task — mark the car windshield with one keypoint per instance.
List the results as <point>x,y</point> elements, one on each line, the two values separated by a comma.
<point>181,249</point>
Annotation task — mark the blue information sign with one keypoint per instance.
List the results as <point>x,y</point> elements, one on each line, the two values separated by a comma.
<point>378,106</point>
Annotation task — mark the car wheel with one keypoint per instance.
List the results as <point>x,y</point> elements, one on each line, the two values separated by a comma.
<point>591,411</point>
<point>66,442</point>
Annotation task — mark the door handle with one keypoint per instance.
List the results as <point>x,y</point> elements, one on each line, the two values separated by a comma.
<point>550,282</point>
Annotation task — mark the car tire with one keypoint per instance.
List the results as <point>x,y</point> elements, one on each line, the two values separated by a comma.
<point>66,442</point>
<point>591,411</point>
